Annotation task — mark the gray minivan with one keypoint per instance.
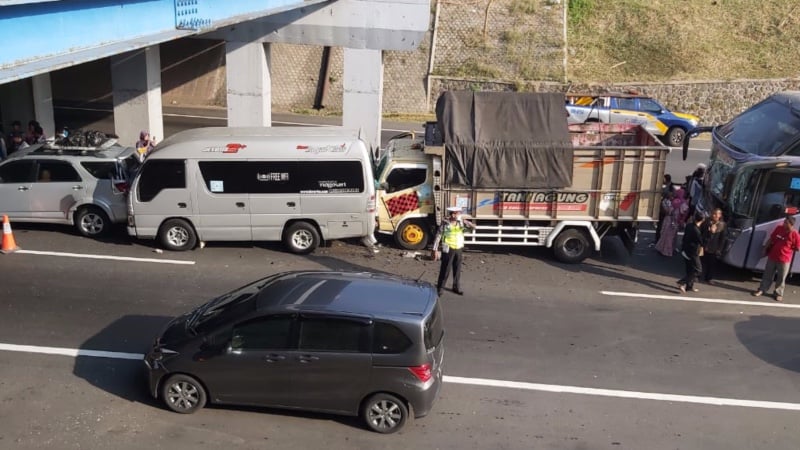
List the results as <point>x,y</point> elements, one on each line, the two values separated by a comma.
<point>352,343</point>
<point>298,185</point>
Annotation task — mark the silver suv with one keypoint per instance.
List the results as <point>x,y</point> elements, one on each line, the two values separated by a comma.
<point>81,186</point>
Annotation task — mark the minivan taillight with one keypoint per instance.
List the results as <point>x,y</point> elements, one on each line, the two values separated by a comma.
<point>371,204</point>
<point>422,372</point>
<point>121,186</point>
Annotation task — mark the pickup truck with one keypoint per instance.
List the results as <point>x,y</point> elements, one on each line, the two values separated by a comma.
<point>630,108</point>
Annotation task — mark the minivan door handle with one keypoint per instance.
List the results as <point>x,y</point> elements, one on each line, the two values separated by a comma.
<point>22,188</point>
<point>77,187</point>
<point>307,358</point>
<point>274,358</point>
<point>290,204</point>
<point>240,204</point>
<point>181,205</point>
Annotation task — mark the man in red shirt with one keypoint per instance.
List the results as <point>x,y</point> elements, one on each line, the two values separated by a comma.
<point>782,244</point>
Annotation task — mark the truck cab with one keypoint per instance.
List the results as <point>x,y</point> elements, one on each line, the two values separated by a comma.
<point>404,177</point>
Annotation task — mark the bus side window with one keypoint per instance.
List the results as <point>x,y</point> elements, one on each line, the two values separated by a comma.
<point>778,197</point>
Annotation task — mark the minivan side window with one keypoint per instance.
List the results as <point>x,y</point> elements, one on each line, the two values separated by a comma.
<point>264,333</point>
<point>17,172</point>
<point>330,177</point>
<point>160,174</point>
<point>333,335</point>
<point>388,339</point>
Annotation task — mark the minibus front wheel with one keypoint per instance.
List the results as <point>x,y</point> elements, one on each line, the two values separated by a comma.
<point>301,238</point>
<point>177,235</point>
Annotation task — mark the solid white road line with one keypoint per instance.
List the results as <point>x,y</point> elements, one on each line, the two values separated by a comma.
<point>69,351</point>
<point>624,394</point>
<point>700,299</point>
<point>116,258</point>
<point>470,381</point>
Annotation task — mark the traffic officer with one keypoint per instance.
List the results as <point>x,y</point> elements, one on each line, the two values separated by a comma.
<point>451,236</point>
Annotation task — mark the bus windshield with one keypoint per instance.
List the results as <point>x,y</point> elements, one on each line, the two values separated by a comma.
<point>766,129</point>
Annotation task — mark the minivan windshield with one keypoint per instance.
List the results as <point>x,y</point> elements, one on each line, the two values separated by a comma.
<point>227,306</point>
<point>766,129</point>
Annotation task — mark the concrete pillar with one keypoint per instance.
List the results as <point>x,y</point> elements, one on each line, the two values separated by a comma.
<point>247,68</point>
<point>362,101</point>
<point>43,103</point>
<point>136,82</point>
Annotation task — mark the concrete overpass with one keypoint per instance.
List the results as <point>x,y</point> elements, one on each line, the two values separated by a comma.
<point>41,36</point>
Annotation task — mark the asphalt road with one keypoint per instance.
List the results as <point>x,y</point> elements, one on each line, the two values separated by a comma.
<point>539,354</point>
<point>597,351</point>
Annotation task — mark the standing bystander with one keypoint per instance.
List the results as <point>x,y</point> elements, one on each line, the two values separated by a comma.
<point>691,252</point>
<point>779,249</point>
<point>144,145</point>
<point>715,238</point>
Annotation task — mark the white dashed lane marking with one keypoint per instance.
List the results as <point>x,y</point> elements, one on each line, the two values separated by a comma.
<point>554,388</point>
<point>115,258</point>
<point>686,298</point>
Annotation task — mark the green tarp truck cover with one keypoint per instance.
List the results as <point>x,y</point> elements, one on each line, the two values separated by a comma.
<point>505,140</point>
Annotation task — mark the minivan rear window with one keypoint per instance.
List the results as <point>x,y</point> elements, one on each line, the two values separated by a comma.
<point>434,328</point>
<point>388,339</point>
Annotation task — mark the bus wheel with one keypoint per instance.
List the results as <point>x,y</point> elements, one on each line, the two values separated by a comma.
<point>572,246</point>
<point>412,235</point>
<point>301,238</point>
<point>675,137</point>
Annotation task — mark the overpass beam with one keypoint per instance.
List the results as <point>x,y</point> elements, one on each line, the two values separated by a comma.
<point>362,101</point>
<point>247,69</point>
<point>43,103</point>
<point>136,82</point>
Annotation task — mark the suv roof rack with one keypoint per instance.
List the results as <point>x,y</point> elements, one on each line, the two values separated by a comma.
<point>52,148</point>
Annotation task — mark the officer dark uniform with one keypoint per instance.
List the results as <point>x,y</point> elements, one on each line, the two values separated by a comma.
<point>451,236</point>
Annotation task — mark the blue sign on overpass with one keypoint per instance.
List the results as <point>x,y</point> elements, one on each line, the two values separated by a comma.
<point>40,36</point>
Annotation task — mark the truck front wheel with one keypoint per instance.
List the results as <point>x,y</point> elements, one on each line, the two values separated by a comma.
<point>412,235</point>
<point>572,246</point>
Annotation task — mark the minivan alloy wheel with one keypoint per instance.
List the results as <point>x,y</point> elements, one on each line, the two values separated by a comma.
<point>183,394</point>
<point>385,413</point>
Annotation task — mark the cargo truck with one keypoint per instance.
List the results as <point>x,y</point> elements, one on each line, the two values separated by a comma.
<point>525,177</point>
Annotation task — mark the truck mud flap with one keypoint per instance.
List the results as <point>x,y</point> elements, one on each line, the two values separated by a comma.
<point>629,236</point>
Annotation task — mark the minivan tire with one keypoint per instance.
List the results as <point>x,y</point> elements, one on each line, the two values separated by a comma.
<point>572,246</point>
<point>92,221</point>
<point>384,413</point>
<point>183,394</point>
<point>177,235</point>
<point>301,238</point>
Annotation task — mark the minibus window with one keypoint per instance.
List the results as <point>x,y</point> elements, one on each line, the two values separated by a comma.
<point>160,174</point>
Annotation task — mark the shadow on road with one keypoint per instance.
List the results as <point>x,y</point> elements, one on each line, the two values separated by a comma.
<point>772,339</point>
<point>124,378</point>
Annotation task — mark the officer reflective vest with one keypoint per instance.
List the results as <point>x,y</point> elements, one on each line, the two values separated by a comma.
<point>454,235</point>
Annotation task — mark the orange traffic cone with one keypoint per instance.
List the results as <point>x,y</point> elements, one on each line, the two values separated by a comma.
<point>9,246</point>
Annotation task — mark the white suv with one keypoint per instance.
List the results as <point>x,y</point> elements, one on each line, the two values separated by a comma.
<point>81,186</point>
